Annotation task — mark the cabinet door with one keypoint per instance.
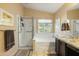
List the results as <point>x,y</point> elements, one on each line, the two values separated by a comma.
<point>57,46</point>
<point>62,49</point>
<point>71,51</point>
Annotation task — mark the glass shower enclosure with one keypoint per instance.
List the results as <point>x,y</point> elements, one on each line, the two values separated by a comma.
<point>25,32</point>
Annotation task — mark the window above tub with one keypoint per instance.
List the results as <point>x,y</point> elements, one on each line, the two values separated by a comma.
<point>45,25</point>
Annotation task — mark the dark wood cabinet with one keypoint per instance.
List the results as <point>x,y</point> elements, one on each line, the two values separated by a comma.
<point>59,47</point>
<point>71,51</point>
<point>64,49</point>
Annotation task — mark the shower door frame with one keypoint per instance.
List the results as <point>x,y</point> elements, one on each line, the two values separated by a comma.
<point>32,31</point>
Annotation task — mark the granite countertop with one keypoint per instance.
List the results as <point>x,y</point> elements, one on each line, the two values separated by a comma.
<point>71,41</point>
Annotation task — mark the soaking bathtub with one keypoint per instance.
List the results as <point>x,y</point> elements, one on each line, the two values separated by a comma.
<point>44,43</point>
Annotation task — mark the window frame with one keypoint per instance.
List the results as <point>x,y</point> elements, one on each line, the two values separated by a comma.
<point>51,30</point>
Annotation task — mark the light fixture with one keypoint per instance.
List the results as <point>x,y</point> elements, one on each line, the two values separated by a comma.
<point>65,25</point>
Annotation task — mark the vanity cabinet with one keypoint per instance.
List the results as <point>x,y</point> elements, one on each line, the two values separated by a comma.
<point>64,49</point>
<point>71,51</point>
<point>59,47</point>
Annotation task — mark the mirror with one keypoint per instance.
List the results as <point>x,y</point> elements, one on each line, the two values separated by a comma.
<point>73,16</point>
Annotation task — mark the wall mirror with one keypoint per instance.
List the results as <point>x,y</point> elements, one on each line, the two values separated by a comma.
<point>73,16</point>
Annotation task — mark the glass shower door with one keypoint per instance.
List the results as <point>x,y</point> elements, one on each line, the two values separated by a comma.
<point>25,33</point>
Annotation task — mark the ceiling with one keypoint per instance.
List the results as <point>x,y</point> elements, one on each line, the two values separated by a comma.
<point>46,7</point>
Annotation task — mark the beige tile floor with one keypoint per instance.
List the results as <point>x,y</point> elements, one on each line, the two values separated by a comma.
<point>39,49</point>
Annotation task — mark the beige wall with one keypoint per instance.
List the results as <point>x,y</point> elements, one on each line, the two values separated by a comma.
<point>73,14</point>
<point>37,14</point>
<point>15,9</point>
<point>62,12</point>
